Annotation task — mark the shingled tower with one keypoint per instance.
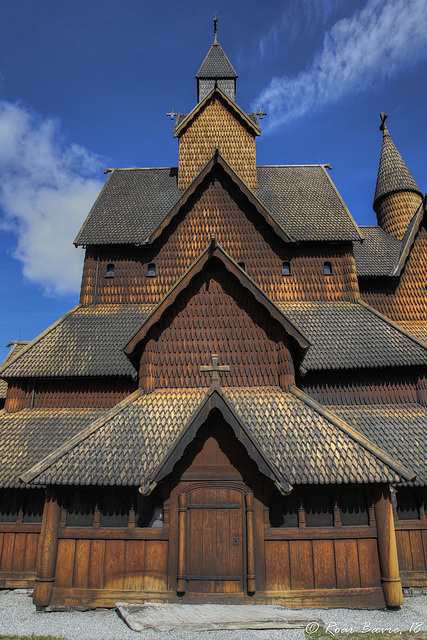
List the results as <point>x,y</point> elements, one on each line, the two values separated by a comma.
<point>397,195</point>
<point>216,124</point>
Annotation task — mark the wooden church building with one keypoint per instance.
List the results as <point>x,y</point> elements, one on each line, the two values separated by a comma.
<point>235,411</point>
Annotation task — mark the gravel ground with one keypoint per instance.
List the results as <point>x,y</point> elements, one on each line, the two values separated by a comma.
<point>18,616</point>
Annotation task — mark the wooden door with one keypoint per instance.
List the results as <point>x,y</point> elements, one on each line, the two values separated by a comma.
<point>215,541</point>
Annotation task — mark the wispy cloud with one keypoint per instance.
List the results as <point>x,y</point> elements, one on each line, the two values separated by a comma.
<point>304,16</point>
<point>374,44</point>
<point>46,190</point>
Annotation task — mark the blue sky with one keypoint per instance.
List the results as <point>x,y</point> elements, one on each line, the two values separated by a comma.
<point>86,85</point>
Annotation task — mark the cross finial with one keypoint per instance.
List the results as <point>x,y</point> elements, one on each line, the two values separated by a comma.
<point>216,27</point>
<point>215,369</point>
<point>383,117</point>
<point>172,114</point>
<point>260,113</point>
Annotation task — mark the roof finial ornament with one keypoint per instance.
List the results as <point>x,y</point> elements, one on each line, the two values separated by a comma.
<point>383,117</point>
<point>216,27</point>
<point>260,113</point>
<point>172,114</point>
<point>215,369</point>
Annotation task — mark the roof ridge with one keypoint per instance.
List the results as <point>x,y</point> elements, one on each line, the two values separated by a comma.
<point>353,433</point>
<point>37,339</point>
<point>392,323</point>
<point>29,475</point>
<point>406,246</point>
<point>342,201</point>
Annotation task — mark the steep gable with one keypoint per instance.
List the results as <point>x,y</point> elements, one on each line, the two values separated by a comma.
<point>217,124</point>
<point>209,311</point>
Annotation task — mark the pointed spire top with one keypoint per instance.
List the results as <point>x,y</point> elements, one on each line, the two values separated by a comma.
<point>393,174</point>
<point>216,27</point>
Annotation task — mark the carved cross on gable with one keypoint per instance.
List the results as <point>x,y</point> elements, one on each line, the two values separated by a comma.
<point>216,369</point>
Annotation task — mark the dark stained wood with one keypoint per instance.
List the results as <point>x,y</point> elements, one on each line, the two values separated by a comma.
<point>370,575</point>
<point>347,564</point>
<point>301,561</point>
<point>277,566</point>
<point>96,564</point>
<point>114,564</point>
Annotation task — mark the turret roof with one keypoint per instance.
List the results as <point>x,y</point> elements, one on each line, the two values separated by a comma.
<point>393,174</point>
<point>216,64</point>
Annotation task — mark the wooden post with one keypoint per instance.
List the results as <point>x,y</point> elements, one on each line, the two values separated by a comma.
<point>387,548</point>
<point>47,550</point>
<point>249,497</point>
<point>182,513</point>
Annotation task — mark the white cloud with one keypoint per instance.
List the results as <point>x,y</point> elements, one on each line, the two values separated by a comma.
<point>47,189</point>
<point>385,37</point>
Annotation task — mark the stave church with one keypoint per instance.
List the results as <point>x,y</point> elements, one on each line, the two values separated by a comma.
<point>236,410</point>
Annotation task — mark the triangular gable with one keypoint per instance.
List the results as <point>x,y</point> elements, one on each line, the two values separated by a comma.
<point>218,161</point>
<point>215,399</point>
<point>237,111</point>
<point>215,251</point>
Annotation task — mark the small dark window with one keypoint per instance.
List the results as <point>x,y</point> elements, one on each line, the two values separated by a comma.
<point>80,509</point>
<point>327,269</point>
<point>286,269</point>
<point>283,510</point>
<point>8,506</point>
<point>149,511</point>
<point>33,507</point>
<point>354,510</point>
<point>407,504</point>
<point>114,510</point>
<point>110,271</point>
<point>318,509</point>
<point>151,270</point>
<point>242,266</point>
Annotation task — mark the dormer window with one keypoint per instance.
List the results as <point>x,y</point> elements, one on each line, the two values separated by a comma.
<point>327,269</point>
<point>286,269</point>
<point>242,266</point>
<point>151,270</point>
<point>110,271</point>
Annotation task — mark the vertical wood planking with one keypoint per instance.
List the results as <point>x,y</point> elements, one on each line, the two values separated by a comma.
<point>347,564</point>
<point>370,575</point>
<point>18,560</point>
<point>277,565</point>
<point>81,564</point>
<point>404,550</point>
<point>301,561</point>
<point>7,552</point>
<point>114,564</point>
<point>65,563</point>
<point>156,565</point>
<point>324,564</point>
<point>416,542</point>
<point>31,552</point>
<point>96,564</point>
<point>135,551</point>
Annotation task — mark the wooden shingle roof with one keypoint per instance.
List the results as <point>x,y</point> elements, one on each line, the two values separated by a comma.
<point>302,200</point>
<point>393,174</point>
<point>302,444</point>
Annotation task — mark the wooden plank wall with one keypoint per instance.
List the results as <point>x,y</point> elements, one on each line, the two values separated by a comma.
<point>242,233</point>
<point>18,551</point>
<point>322,562</point>
<point>105,563</point>
<point>64,393</point>
<point>386,386</point>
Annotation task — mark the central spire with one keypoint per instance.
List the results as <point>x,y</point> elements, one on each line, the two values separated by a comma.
<point>216,71</point>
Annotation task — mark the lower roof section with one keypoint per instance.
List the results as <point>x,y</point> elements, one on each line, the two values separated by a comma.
<point>29,435</point>
<point>297,439</point>
<point>400,429</point>
<point>89,341</point>
<point>347,335</point>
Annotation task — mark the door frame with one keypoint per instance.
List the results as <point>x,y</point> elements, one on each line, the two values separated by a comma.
<point>248,554</point>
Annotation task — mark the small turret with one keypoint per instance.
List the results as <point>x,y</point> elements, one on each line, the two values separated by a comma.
<point>397,195</point>
<point>216,71</point>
